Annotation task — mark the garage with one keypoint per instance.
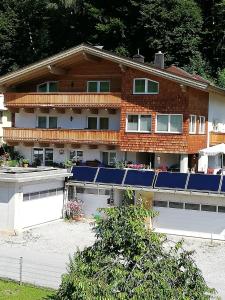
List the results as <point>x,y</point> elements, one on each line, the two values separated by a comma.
<point>30,196</point>
<point>190,215</point>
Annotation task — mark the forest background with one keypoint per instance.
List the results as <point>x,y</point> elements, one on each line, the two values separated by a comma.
<point>191,33</point>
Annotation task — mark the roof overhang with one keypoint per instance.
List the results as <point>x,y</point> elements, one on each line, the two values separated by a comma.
<point>32,70</point>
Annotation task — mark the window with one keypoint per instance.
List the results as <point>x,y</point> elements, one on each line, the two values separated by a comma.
<point>48,156</point>
<point>169,123</point>
<point>98,123</point>
<point>38,156</point>
<point>109,158</point>
<point>47,122</point>
<point>1,115</point>
<point>208,208</point>
<point>103,123</point>
<point>76,155</point>
<point>201,129</point>
<point>145,86</point>
<point>176,205</point>
<point>42,122</point>
<point>98,86</point>
<point>52,122</point>
<point>140,123</point>
<point>48,87</point>
<point>221,209</point>
<point>192,206</point>
<point>192,124</point>
<point>158,203</point>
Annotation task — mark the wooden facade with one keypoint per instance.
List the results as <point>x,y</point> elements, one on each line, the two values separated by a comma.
<point>216,138</point>
<point>61,136</point>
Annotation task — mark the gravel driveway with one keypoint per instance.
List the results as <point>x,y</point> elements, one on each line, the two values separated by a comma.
<point>52,244</point>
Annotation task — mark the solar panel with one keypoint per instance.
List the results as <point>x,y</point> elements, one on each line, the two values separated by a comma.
<point>168,180</point>
<point>139,178</point>
<point>204,182</point>
<point>84,173</point>
<point>112,176</point>
<point>223,185</point>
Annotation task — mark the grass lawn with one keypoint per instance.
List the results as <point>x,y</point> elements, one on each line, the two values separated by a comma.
<point>12,290</point>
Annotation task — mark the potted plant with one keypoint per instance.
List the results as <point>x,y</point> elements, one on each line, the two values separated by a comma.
<point>74,210</point>
<point>68,164</point>
<point>25,163</point>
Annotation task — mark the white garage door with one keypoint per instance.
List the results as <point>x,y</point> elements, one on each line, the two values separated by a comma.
<point>41,207</point>
<point>190,222</point>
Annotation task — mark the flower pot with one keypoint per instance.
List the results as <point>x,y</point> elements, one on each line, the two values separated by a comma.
<point>77,218</point>
<point>25,165</point>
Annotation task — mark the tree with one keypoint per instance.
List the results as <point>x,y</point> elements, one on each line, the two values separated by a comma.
<point>129,261</point>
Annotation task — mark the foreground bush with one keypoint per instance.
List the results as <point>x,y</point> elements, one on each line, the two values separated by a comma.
<point>129,261</point>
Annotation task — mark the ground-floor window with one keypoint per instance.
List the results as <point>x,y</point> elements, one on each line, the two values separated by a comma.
<point>43,156</point>
<point>76,155</point>
<point>109,158</point>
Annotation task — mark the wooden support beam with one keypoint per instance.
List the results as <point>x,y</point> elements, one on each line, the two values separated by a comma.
<point>29,110</point>
<point>112,111</point>
<point>111,147</point>
<point>75,146</point>
<point>93,111</point>
<point>44,144</point>
<point>60,110</point>
<point>28,144</point>
<point>56,70</point>
<point>122,68</point>
<point>14,109</point>
<point>89,57</point>
<point>59,145</point>
<point>12,143</point>
<point>77,111</point>
<point>93,146</point>
<point>44,110</point>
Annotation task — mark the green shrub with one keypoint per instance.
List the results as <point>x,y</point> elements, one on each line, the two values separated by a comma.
<point>130,261</point>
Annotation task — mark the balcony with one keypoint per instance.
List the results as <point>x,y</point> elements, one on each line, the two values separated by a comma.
<point>67,136</point>
<point>63,100</point>
<point>216,138</point>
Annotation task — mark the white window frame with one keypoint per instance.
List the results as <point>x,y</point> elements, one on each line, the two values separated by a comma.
<point>191,123</point>
<point>98,121</point>
<point>47,84</point>
<point>201,123</point>
<point>169,117</point>
<point>98,85</point>
<point>109,156</point>
<point>47,121</point>
<point>43,149</point>
<point>76,156</point>
<point>146,87</point>
<point>139,123</point>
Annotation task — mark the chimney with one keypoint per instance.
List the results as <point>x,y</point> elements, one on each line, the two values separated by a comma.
<point>159,60</point>
<point>138,57</point>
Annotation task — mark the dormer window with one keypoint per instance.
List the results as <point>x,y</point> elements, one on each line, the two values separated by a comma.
<point>145,86</point>
<point>98,86</point>
<point>48,87</point>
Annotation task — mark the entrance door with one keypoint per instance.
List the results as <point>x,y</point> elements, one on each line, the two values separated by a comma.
<point>38,156</point>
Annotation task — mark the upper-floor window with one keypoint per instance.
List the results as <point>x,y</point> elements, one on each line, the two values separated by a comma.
<point>201,129</point>
<point>48,87</point>
<point>47,122</point>
<point>99,86</point>
<point>139,123</point>
<point>145,86</point>
<point>101,123</point>
<point>192,124</point>
<point>172,123</point>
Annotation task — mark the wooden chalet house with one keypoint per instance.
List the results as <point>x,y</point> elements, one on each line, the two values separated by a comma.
<point>90,105</point>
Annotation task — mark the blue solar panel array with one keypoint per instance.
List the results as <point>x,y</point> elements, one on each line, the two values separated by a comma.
<point>204,182</point>
<point>139,178</point>
<point>167,180</point>
<point>150,179</point>
<point>113,176</point>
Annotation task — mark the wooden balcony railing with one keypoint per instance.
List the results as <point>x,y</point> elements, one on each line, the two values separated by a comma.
<point>61,136</point>
<point>216,138</point>
<point>64,100</point>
